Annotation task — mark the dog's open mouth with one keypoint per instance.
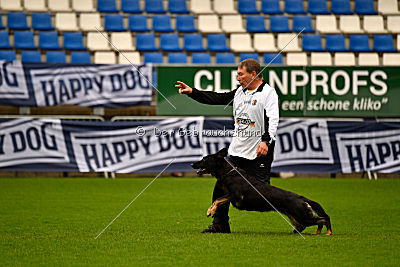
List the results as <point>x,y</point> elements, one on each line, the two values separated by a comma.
<point>201,171</point>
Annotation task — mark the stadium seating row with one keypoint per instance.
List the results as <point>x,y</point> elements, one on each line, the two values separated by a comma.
<point>292,59</point>
<point>239,42</point>
<point>206,23</point>
<point>207,6</point>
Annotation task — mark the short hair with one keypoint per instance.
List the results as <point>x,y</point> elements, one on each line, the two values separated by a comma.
<point>252,65</point>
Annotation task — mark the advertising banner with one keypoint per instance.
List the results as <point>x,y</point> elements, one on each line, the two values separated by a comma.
<point>84,85</point>
<point>303,91</point>
<point>302,145</point>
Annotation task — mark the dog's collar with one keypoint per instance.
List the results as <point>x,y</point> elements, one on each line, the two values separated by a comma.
<point>233,169</point>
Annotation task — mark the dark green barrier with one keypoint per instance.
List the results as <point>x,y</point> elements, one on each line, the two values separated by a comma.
<point>303,91</point>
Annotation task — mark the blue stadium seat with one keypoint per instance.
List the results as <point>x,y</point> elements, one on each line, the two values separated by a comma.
<point>185,23</point>
<point>193,42</point>
<point>280,24</point>
<point>317,7</point>
<point>244,56</point>
<point>154,6</point>
<point>114,23</point>
<point>365,7</point>
<point>177,58</point>
<point>17,21</point>
<point>247,7</point>
<point>255,24</point>
<point>146,42</point>
<point>359,43</point>
<point>80,57</point>
<point>335,43</point>
<point>73,41</point>
<point>106,6</point>
<point>217,42</point>
<point>31,57</point>
<point>24,40</point>
<point>48,40</point>
<point>201,58</point>
<point>162,23</point>
<point>302,23</point>
<point>156,58</point>
<point>312,43</point>
<point>4,40</point>
<point>225,58</point>
<point>341,7</point>
<point>131,6</point>
<point>1,23</point>
<point>294,7</point>
<point>384,43</point>
<point>273,59</point>
<point>55,57</point>
<point>138,23</point>
<point>8,55</point>
<point>169,42</point>
<point>177,6</point>
<point>270,7</point>
<point>41,21</point>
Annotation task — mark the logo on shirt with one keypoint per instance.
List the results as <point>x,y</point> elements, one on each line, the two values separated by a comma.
<point>243,121</point>
<point>254,102</point>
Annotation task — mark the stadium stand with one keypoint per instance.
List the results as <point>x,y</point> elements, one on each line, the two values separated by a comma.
<point>185,23</point>
<point>162,23</point>
<point>83,5</point>
<point>273,59</point>
<point>321,59</point>
<point>243,56</point>
<point>41,21</point>
<point>17,21</point>
<point>193,42</point>
<point>80,57</point>
<point>138,23</point>
<point>8,55</point>
<point>55,57</point>
<point>232,23</point>
<point>296,59</point>
<point>35,5</point>
<point>154,57</point>
<point>114,23</point>
<point>225,58</point>
<point>177,58</point>
<point>343,28</point>
<point>224,7</point>
<point>368,59</point>
<point>4,40</point>
<point>344,59</point>
<point>247,7</point>
<point>31,56</point>
<point>312,43</point>
<point>391,59</point>
<point>280,24</point>
<point>105,58</point>
<point>131,6</point>
<point>201,58</point>
<point>341,7</point>
<point>255,24</point>
<point>271,7</point>
<point>201,7</point>
<point>129,58</point>
<point>177,6</point>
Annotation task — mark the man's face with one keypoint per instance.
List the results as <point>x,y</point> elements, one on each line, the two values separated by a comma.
<point>244,78</point>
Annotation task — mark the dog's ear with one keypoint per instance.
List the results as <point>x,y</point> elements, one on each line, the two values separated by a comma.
<point>223,152</point>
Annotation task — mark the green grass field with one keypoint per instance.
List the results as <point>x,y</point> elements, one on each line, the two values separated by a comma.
<point>55,222</point>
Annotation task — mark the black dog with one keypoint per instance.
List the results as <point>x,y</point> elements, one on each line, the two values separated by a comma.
<point>245,195</point>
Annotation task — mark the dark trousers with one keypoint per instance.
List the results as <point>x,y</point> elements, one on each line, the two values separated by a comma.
<point>259,167</point>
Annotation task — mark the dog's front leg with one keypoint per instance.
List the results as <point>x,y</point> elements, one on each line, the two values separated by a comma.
<point>220,201</point>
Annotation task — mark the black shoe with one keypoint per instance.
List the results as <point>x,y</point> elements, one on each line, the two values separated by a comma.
<point>218,228</point>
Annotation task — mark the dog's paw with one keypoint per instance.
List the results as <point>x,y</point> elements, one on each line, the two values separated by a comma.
<point>211,210</point>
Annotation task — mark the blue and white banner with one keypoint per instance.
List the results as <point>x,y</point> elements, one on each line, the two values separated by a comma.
<point>84,85</point>
<point>302,146</point>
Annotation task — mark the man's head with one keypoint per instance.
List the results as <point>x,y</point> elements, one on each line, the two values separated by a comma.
<point>249,74</point>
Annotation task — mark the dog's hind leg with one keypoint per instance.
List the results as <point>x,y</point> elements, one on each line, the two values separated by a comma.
<point>299,227</point>
<point>321,222</point>
<point>320,225</point>
<point>220,201</point>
